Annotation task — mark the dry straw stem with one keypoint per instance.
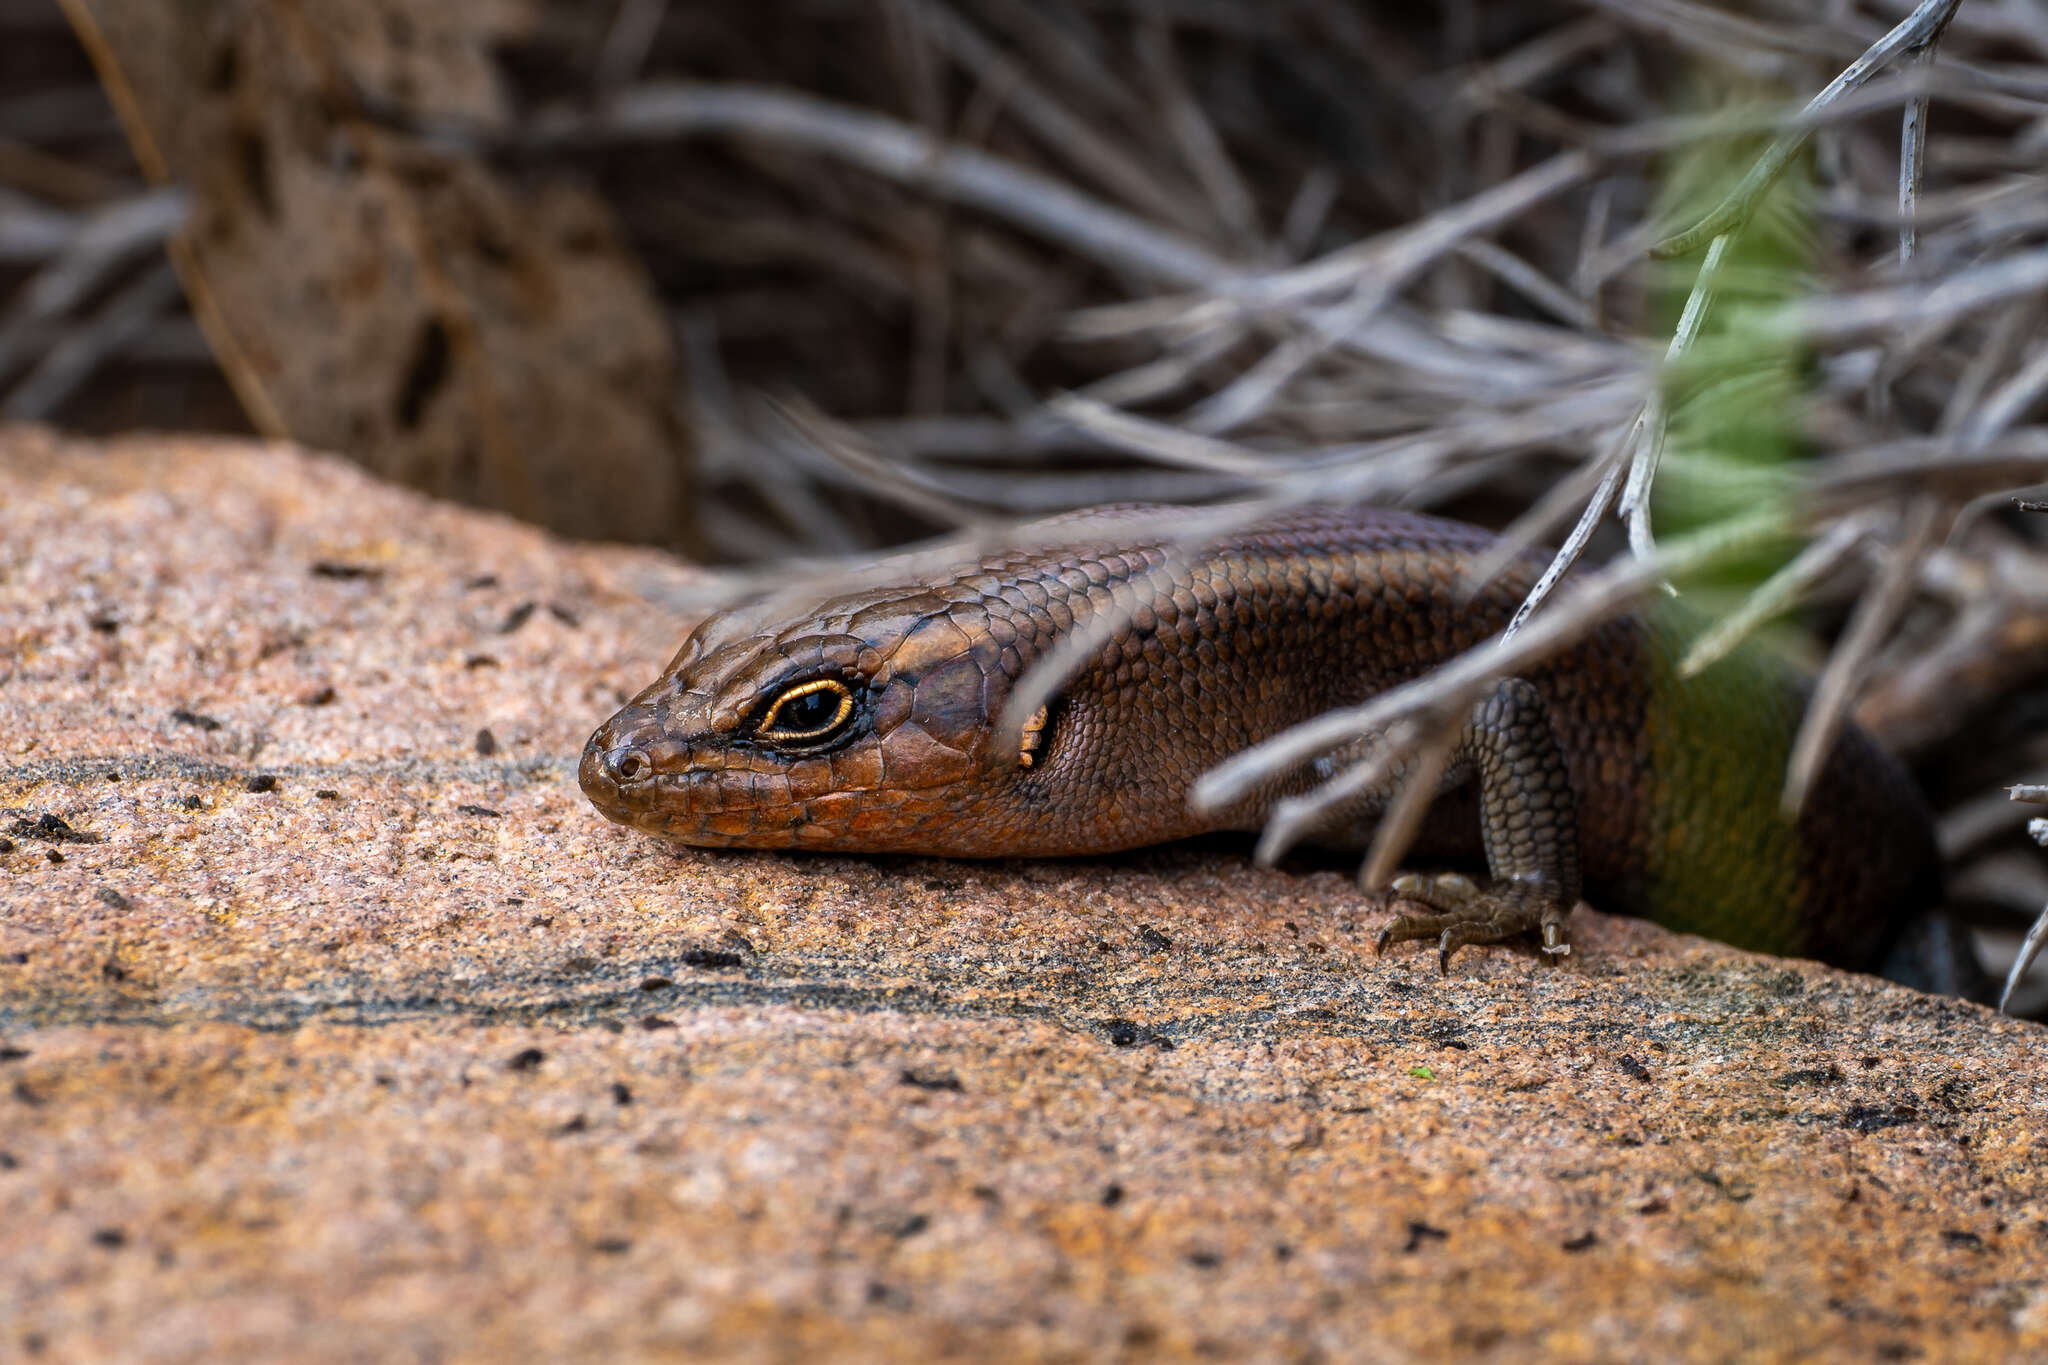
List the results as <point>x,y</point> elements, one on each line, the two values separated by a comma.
<point>1645,441</point>
<point>1918,29</point>
<point>2037,935</point>
<point>962,175</point>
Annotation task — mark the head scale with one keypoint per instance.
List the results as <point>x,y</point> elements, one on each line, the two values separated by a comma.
<point>865,724</point>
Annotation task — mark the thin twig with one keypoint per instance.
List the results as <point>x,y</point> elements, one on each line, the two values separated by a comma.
<point>1875,613</point>
<point>1736,209</point>
<point>1775,596</point>
<point>974,179</point>
<point>72,361</point>
<point>1634,506</point>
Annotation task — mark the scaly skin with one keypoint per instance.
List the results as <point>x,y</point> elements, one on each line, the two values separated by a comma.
<point>1601,764</point>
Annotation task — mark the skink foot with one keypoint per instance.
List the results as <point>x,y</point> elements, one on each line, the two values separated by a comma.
<point>1465,912</point>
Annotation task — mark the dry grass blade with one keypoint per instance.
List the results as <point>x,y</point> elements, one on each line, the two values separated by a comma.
<point>1876,612</point>
<point>1073,138</point>
<point>1296,817</point>
<point>896,480</point>
<point>1847,317</point>
<point>1404,816</point>
<point>2037,934</point>
<point>1574,542</point>
<point>1649,449</point>
<point>1027,198</point>
<point>1917,28</point>
<point>1776,595</point>
<point>1159,442</point>
<point>107,240</point>
<point>87,345</point>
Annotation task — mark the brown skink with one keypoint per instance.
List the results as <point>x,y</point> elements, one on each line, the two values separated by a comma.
<point>868,722</point>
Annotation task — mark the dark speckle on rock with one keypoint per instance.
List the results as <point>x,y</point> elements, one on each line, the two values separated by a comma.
<point>1125,1033</point>
<point>526,1059</point>
<point>1420,1233</point>
<point>930,1080</point>
<point>1585,1241</point>
<point>182,716</point>
<point>342,572</point>
<point>1808,1075</point>
<point>1872,1118</point>
<point>261,782</point>
<point>112,1239</point>
<point>612,1246</point>
<point>517,617</point>
<point>486,744</point>
<point>108,896</point>
<point>51,828</point>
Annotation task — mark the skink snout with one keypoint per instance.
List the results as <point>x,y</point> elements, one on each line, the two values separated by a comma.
<point>616,763</point>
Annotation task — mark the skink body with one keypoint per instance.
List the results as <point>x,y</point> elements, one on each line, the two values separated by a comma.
<point>867,722</point>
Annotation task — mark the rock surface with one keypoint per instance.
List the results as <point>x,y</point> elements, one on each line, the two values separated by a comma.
<point>334,1028</point>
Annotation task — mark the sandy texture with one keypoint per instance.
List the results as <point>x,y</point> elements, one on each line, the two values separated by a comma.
<point>331,1029</point>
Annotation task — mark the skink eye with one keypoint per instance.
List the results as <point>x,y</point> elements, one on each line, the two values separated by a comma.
<point>808,712</point>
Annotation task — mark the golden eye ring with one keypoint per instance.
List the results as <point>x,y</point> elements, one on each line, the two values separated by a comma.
<point>837,691</point>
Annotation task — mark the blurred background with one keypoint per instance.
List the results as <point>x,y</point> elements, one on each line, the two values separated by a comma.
<point>754,282</point>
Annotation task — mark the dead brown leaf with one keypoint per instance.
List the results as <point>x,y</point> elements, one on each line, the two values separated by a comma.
<point>395,299</point>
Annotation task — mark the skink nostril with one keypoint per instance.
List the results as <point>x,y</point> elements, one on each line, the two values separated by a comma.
<point>627,766</point>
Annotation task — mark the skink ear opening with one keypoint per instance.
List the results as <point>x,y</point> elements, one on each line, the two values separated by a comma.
<point>1035,737</point>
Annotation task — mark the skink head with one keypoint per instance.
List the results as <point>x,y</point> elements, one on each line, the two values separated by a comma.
<point>867,723</point>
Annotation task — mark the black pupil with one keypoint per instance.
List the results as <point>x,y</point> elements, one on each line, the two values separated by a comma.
<point>811,711</point>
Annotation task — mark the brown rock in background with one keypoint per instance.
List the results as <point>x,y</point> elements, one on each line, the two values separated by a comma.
<point>373,291</point>
<point>329,1030</point>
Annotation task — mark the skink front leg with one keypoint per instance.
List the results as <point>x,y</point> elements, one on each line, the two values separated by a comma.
<point>1530,825</point>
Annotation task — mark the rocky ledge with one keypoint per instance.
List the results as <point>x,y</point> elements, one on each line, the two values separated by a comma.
<point>335,1025</point>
